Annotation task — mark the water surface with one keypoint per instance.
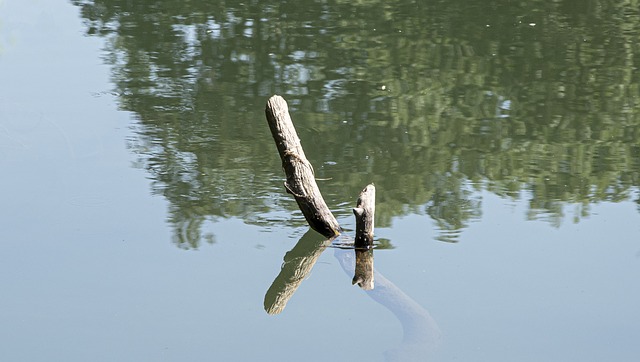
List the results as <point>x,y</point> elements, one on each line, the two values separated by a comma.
<point>144,215</point>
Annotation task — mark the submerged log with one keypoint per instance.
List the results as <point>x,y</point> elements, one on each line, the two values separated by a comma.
<point>421,334</point>
<point>301,181</point>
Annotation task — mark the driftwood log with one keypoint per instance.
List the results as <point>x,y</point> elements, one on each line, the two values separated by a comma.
<point>302,185</point>
<point>301,182</point>
<point>421,333</point>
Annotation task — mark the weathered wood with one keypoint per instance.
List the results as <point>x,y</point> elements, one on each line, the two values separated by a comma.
<point>365,211</point>
<point>301,181</point>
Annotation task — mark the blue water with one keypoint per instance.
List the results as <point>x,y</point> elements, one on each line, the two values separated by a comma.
<point>89,270</point>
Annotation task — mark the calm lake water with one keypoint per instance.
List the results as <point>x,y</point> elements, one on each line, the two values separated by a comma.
<point>144,216</point>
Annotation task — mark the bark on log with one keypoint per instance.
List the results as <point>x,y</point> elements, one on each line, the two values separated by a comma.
<point>301,181</point>
<point>365,212</point>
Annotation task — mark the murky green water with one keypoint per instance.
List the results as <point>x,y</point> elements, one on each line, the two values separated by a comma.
<point>144,216</point>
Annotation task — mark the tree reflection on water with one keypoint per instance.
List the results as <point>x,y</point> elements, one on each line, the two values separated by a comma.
<point>430,101</point>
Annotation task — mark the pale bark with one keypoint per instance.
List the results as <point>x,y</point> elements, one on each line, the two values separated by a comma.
<point>301,182</point>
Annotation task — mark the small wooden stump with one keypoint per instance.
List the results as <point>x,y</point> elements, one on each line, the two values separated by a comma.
<point>365,211</point>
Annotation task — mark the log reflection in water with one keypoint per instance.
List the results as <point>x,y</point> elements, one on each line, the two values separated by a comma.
<point>421,334</point>
<point>363,274</point>
<point>298,263</point>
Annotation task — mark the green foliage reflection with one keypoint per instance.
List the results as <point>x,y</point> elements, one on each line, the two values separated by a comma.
<point>430,100</point>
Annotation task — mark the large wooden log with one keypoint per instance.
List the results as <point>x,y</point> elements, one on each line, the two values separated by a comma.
<point>301,181</point>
